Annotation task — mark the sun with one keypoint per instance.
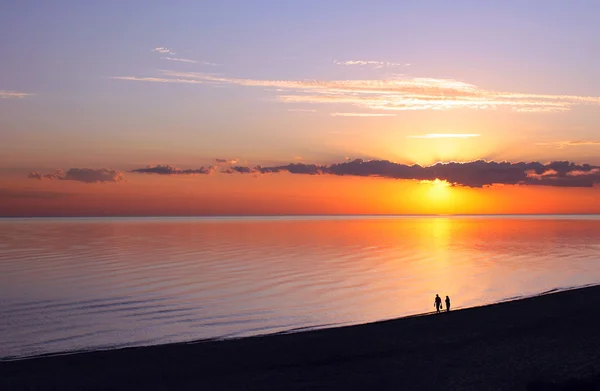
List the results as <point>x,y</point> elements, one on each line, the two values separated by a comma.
<point>439,193</point>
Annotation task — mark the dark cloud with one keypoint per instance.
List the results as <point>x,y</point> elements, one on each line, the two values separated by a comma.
<point>168,169</point>
<point>86,175</point>
<point>471,174</point>
<point>172,170</point>
<point>243,169</point>
<point>90,175</point>
<point>294,168</point>
<point>40,176</point>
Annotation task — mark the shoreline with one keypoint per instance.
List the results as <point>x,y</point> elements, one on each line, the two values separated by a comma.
<point>551,336</point>
<point>289,331</point>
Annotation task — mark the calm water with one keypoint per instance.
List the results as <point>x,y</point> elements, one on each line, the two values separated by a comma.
<point>69,284</point>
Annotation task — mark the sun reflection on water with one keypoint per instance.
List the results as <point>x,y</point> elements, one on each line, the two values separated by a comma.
<point>85,284</point>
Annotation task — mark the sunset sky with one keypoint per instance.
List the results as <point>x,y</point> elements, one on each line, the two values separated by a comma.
<point>263,107</point>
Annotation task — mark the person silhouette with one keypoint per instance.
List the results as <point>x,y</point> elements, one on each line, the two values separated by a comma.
<point>437,303</point>
<point>447,304</point>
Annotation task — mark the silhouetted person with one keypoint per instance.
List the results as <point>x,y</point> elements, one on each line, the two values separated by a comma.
<point>437,303</point>
<point>447,304</point>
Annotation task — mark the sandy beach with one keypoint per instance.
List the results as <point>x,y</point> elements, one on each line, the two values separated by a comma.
<point>538,343</point>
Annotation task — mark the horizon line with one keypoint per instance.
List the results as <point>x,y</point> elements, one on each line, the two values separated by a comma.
<point>307,215</point>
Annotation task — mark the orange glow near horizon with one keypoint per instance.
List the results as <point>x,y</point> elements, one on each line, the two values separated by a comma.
<point>283,194</point>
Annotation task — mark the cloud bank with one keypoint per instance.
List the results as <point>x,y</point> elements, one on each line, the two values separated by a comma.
<point>475,174</point>
<point>85,175</point>
<point>387,95</point>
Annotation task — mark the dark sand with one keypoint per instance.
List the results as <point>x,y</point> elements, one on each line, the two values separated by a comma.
<point>498,347</point>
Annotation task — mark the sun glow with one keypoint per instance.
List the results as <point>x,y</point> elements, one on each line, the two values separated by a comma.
<point>438,194</point>
<point>438,182</point>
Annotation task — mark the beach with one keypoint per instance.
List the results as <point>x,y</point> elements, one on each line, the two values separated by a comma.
<point>532,342</point>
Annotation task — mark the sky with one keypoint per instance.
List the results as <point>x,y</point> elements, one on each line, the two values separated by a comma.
<point>299,107</point>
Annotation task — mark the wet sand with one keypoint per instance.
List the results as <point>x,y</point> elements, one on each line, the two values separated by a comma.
<point>505,346</point>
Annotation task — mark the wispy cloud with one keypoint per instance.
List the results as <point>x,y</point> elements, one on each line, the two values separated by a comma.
<point>576,143</point>
<point>446,135</point>
<point>13,94</point>
<point>189,61</point>
<point>302,110</point>
<point>391,95</point>
<point>374,64</point>
<point>227,161</point>
<point>158,80</point>
<point>179,59</point>
<point>594,171</point>
<point>86,175</point>
<point>539,175</point>
<point>163,50</point>
<point>582,143</point>
<point>363,114</point>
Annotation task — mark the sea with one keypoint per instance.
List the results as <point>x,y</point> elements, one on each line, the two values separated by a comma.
<point>80,284</point>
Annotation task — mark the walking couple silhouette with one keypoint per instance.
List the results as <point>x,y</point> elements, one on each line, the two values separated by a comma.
<point>438,303</point>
